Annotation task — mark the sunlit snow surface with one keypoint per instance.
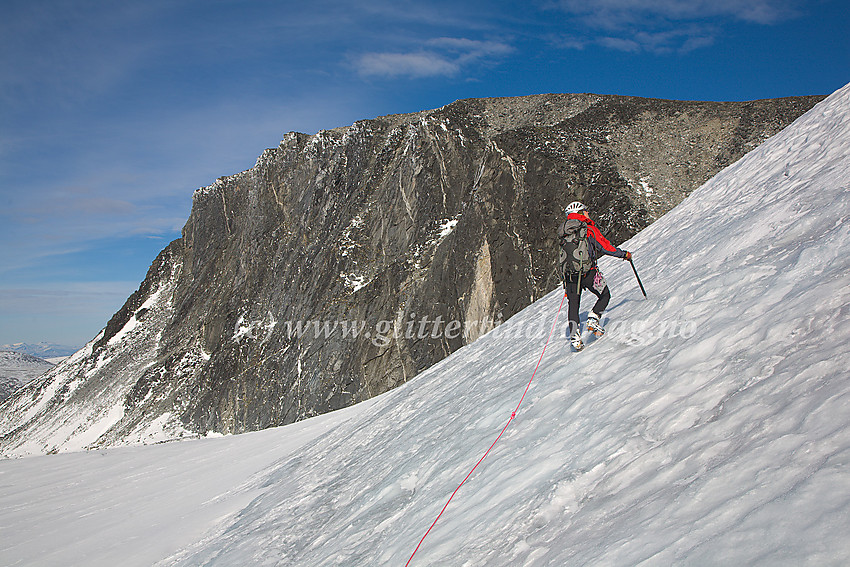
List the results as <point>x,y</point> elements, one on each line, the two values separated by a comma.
<point>711,426</point>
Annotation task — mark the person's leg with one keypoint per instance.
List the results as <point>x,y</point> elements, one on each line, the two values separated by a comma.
<point>573,303</point>
<point>595,282</point>
<point>602,302</point>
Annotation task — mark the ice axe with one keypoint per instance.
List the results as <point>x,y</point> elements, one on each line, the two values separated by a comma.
<point>637,276</point>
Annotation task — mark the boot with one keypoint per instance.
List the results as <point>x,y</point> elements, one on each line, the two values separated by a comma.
<point>575,340</point>
<point>594,325</point>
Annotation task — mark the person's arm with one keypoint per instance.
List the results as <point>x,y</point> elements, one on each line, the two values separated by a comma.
<point>604,246</point>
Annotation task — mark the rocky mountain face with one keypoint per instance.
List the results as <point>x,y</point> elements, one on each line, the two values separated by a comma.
<point>346,262</point>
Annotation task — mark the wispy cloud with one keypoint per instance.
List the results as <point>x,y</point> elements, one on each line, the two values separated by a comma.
<point>444,56</point>
<point>416,65</point>
<point>613,14</point>
<point>680,40</point>
<point>663,26</point>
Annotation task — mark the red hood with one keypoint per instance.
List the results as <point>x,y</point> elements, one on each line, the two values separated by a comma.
<point>581,217</point>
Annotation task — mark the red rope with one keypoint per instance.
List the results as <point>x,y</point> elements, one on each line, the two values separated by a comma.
<point>513,415</point>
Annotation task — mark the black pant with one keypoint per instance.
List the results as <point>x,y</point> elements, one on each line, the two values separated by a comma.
<point>595,283</point>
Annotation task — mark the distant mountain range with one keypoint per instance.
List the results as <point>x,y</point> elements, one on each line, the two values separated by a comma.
<point>41,350</point>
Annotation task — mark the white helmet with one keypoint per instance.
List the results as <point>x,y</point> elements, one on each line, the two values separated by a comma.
<point>575,207</point>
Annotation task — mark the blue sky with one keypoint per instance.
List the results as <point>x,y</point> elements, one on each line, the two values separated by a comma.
<point>113,113</point>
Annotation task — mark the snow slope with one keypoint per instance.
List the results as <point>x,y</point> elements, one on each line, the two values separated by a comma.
<point>711,426</point>
<point>130,507</point>
<point>18,369</point>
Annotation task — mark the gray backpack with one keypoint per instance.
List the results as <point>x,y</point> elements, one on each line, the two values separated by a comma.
<point>575,249</point>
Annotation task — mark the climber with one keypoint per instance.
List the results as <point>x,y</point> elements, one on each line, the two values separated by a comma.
<point>581,245</point>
